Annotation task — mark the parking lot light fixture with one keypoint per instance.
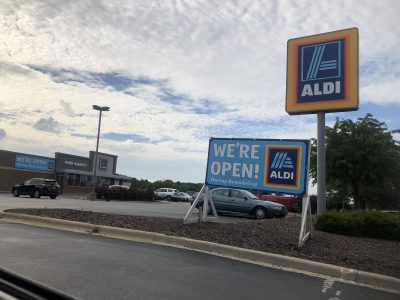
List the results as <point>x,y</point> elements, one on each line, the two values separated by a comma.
<point>92,195</point>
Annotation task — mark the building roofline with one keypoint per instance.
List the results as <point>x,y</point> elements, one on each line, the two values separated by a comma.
<point>67,154</point>
<point>27,154</point>
<point>102,153</point>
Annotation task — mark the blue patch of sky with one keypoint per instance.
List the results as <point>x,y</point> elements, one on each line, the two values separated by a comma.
<point>122,137</point>
<point>8,116</point>
<point>201,107</point>
<point>387,113</point>
<point>374,70</point>
<point>123,83</point>
<point>210,107</point>
<point>186,150</point>
<point>168,96</point>
<point>118,81</point>
<point>164,139</point>
<point>86,136</point>
<point>239,128</point>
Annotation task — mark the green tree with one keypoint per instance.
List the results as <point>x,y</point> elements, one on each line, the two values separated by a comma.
<point>182,186</point>
<point>362,162</point>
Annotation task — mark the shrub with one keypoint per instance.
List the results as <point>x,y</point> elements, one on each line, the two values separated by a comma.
<point>369,223</point>
<point>101,192</point>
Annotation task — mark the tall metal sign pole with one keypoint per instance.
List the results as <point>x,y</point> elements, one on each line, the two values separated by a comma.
<point>92,194</point>
<point>321,164</point>
<point>322,76</point>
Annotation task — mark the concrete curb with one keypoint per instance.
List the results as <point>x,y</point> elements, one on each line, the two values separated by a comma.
<point>257,257</point>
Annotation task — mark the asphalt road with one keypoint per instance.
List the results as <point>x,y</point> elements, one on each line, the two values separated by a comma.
<point>94,267</point>
<point>140,208</point>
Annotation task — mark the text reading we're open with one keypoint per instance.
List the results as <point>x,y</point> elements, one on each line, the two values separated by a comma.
<point>241,160</point>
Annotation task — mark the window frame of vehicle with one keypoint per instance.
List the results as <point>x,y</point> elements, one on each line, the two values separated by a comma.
<point>221,199</point>
<point>241,202</point>
<point>37,181</point>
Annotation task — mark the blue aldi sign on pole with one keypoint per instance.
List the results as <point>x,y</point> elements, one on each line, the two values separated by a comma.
<point>322,73</point>
<point>268,165</point>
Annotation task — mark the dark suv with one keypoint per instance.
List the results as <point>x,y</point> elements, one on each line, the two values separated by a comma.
<point>37,187</point>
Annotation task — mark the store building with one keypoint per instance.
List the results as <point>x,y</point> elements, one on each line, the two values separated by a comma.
<point>73,173</point>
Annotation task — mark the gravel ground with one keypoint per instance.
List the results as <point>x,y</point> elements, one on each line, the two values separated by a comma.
<point>271,235</point>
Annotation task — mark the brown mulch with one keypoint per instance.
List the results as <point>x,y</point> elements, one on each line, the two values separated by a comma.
<point>272,235</point>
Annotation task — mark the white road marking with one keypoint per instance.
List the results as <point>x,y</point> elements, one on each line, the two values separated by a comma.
<point>327,285</point>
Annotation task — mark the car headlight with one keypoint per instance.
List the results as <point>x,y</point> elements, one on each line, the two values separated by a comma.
<point>277,207</point>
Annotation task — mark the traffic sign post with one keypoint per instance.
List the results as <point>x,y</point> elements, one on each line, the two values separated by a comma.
<point>322,76</point>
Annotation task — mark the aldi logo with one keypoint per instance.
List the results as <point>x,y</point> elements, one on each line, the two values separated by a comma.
<point>321,61</point>
<point>321,76</point>
<point>103,164</point>
<point>282,167</point>
<point>282,160</point>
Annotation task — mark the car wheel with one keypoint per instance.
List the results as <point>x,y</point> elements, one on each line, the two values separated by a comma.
<point>168,198</point>
<point>259,213</point>
<point>53,197</point>
<point>15,193</point>
<point>36,194</point>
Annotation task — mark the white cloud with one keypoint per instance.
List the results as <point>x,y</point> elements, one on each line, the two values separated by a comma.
<point>226,57</point>
<point>49,125</point>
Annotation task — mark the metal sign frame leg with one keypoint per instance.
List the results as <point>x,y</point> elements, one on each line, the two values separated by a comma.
<point>305,216</point>
<point>207,201</point>
<point>306,211</point>
<point>192,208</point>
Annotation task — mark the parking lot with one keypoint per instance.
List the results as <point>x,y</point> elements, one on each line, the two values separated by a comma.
<point>138,208</point>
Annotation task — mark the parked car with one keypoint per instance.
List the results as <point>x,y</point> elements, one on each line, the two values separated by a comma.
<point>243,202</point>
<point>165,193</point>
<point>194,196</point>
<point>191,193</point>
<point>184,197</point>
<point>37,187</point>
<point>289,201</point>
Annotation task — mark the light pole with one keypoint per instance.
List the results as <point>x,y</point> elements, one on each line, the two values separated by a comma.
<point>92,195</point>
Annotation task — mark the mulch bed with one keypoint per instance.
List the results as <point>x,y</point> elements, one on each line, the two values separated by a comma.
<point>272,235</point>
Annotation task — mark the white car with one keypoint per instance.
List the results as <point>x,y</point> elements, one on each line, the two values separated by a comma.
<point>118,187</point>
<point>166,193</point>
<point>182,197</point>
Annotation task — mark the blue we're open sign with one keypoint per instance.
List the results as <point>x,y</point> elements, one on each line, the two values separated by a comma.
<point>269,165</point>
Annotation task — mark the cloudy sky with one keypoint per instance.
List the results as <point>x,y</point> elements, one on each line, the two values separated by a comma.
<point>174,73</point>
